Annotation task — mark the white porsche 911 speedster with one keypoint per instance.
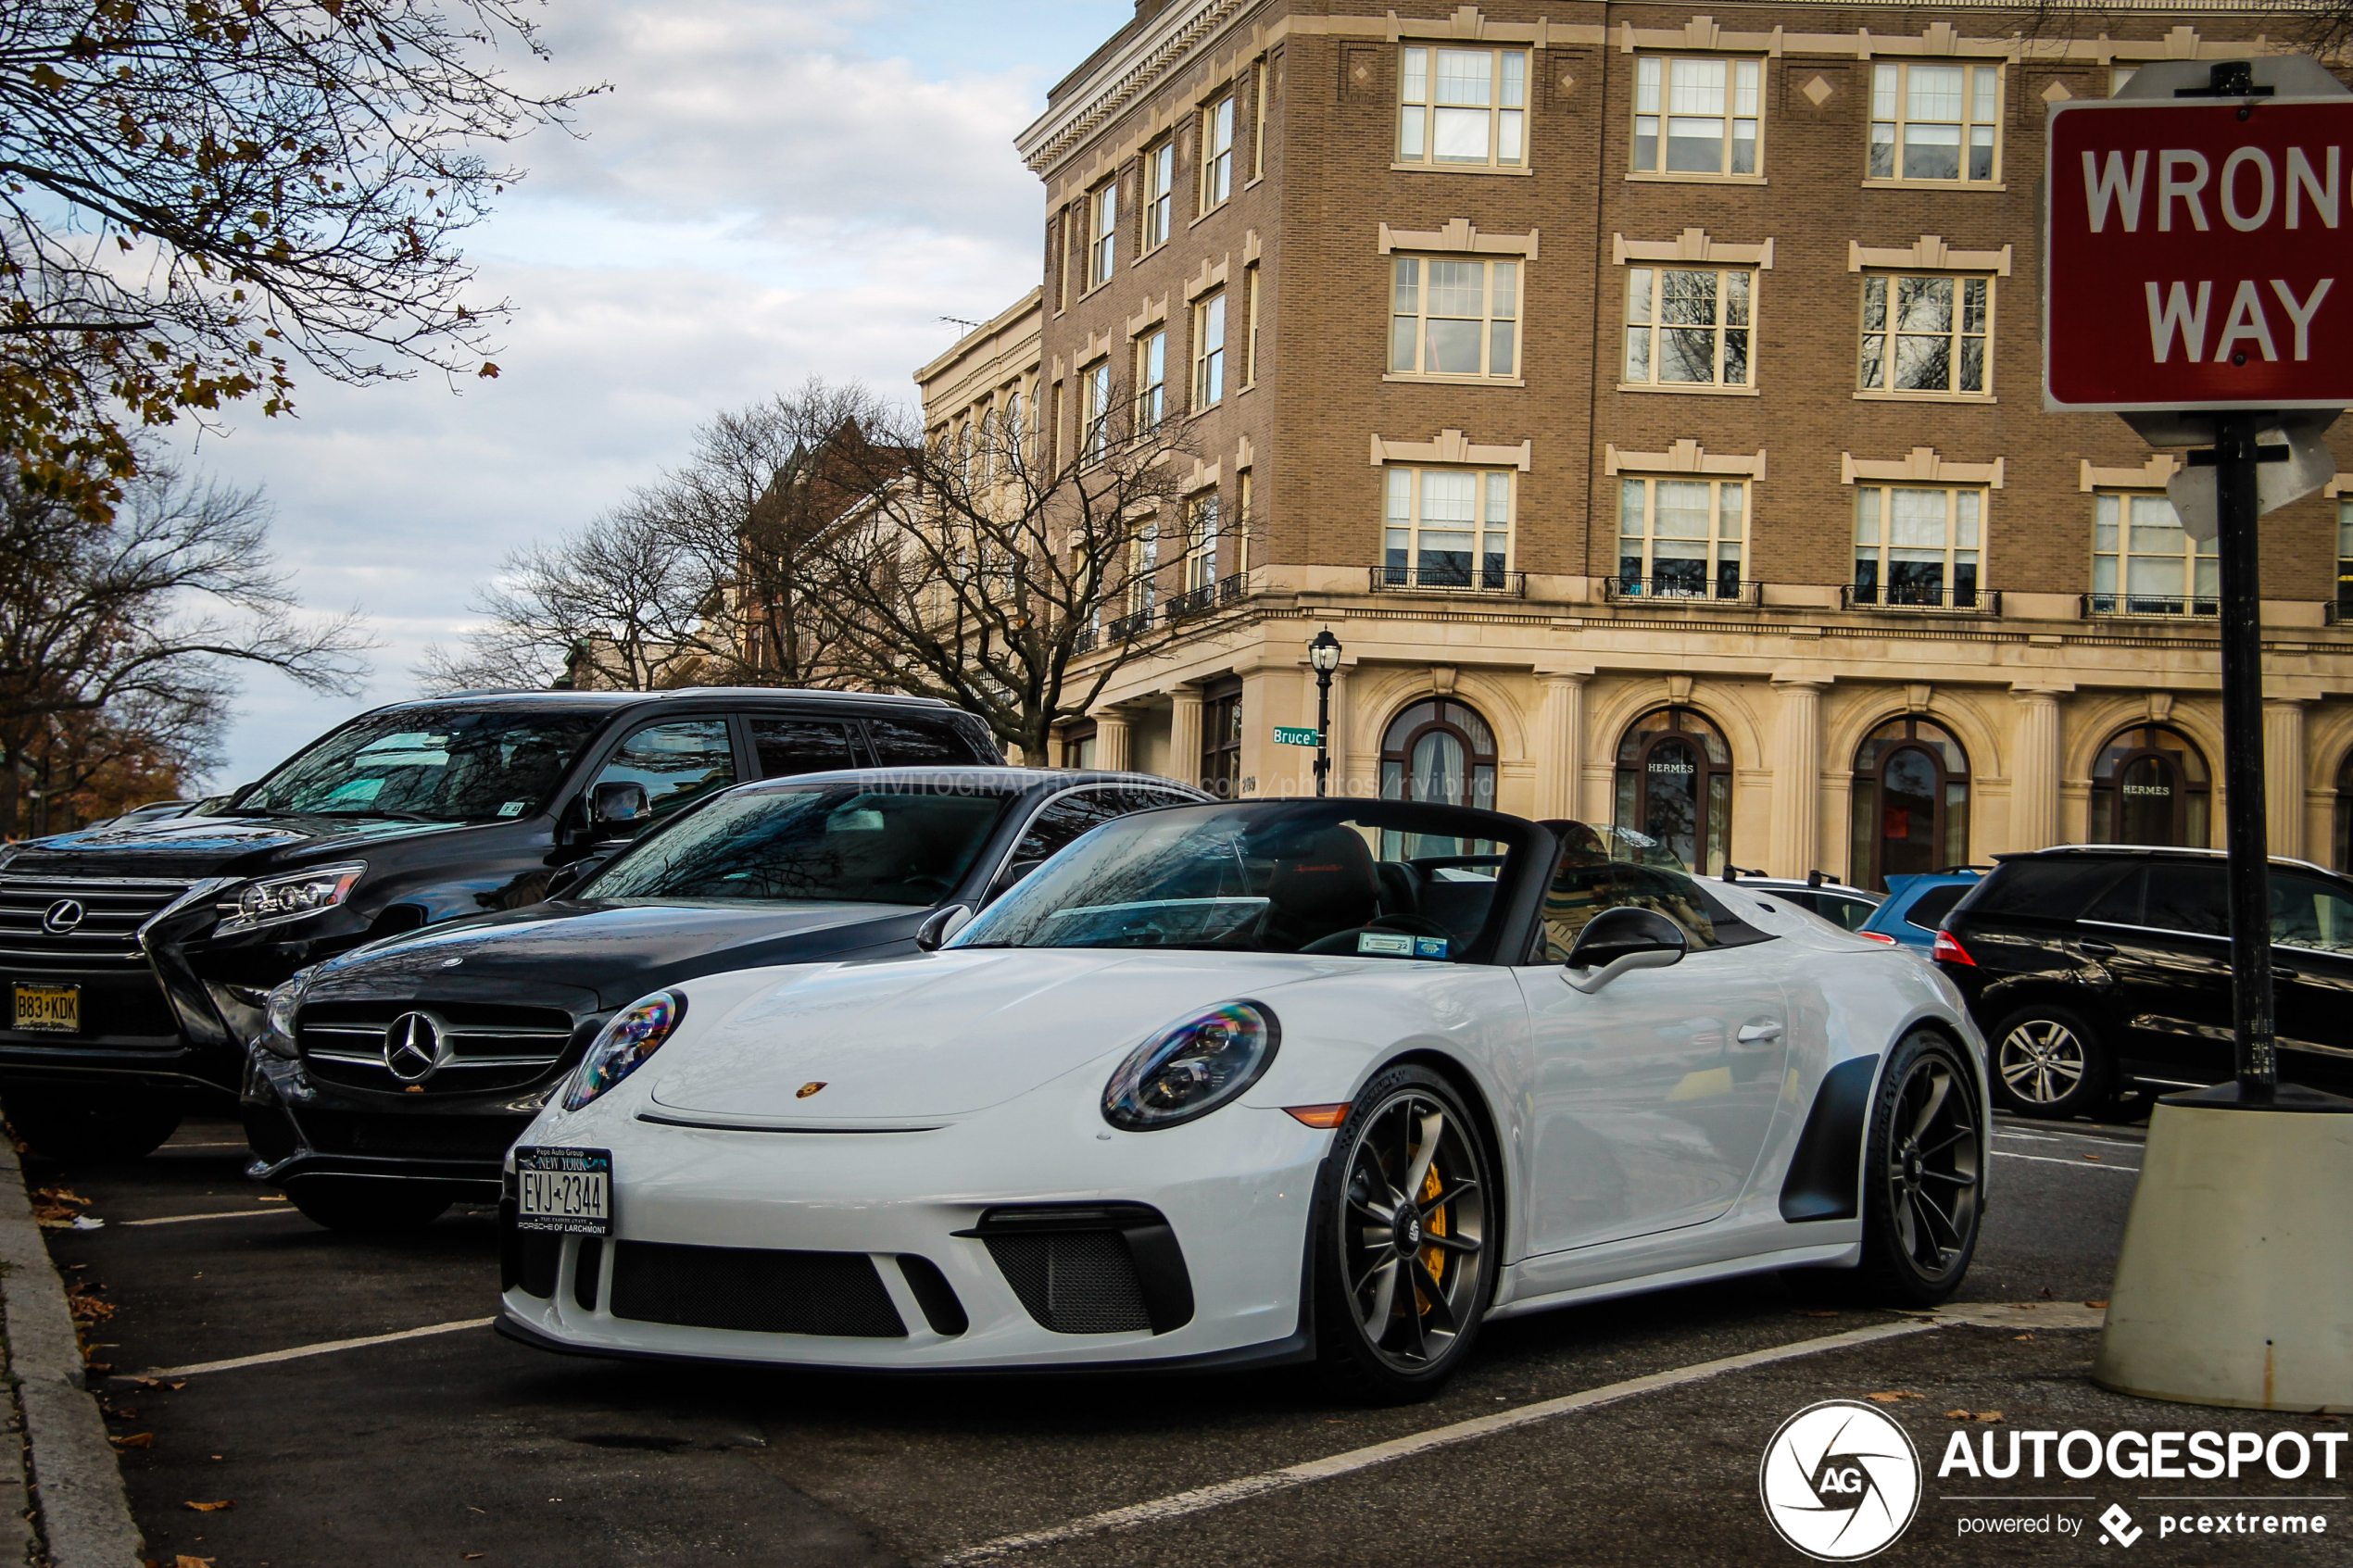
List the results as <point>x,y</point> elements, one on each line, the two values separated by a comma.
<point>1248,1084</point>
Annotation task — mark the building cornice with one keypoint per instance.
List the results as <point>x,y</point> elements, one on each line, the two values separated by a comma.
<point>1123,77</point>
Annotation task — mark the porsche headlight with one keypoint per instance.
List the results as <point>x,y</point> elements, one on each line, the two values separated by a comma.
<point>1193,1067</point>
<point>278,1015</point>
<point>636,1033</point>
<point>282,898</point>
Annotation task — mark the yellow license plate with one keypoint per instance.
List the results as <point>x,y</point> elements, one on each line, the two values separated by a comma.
<point>54,1010</point>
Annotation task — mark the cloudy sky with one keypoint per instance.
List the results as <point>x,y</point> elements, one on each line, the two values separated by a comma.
<point>773,190</point>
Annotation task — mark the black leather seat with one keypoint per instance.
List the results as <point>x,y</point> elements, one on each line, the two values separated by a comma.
<point>1324,883</point>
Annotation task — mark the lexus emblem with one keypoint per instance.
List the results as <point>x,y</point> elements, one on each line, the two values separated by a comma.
<point>414,1046</point>
<point>60,918</point>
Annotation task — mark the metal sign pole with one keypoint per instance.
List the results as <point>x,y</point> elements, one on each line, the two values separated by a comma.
<point>2235,462</point>
<point>1324,734</point>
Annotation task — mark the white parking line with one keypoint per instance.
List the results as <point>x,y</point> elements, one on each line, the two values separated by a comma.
<point>1225,1492</point>
<point>320,1349</point>
<point>226,1215</point>
<point>2078,1164</point>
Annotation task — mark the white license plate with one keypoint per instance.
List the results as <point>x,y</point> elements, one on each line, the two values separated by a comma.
<point>566,1190</point>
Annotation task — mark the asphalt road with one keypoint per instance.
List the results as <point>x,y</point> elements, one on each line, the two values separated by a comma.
<point>458,1446</point>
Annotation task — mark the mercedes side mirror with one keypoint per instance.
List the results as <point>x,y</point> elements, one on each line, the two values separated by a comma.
<point>1618,940</point>
<point>617,803</point>
<point>566,878</point>
<point>942,924</point>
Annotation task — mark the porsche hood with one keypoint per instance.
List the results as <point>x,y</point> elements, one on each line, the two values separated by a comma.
<point>944,1035</point>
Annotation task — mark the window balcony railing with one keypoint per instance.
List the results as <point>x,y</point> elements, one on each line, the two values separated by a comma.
<point>2336,612</point>
<point>1128,627</point>
<point>1209,597</point>
<point>1723,591</point>
<point>1086,640</point>
<point>2098,605</point>
<point>1450,580</point>
<point>1914,596</point>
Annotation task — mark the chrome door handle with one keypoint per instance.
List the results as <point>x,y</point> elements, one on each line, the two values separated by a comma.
<point>2278,974</point>
<point>1759,1033</point>
<point>2098,949</point>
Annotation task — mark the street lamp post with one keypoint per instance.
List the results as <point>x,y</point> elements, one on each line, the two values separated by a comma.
<point>1324,654</point>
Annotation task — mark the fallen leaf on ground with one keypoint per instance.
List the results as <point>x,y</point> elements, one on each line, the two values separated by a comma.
<point>209,1507</point>
<point>1988,1415</point>
<point>2101,1305</point>
<point>159,1383</point>
<point>185,1561</point>
<point>2022,1336</point>
<point>2047,1293</point>
<point>136,1440</point>
<point>2091,1157</point>
<point>1957,1415</point>
<point>1895,1394</point>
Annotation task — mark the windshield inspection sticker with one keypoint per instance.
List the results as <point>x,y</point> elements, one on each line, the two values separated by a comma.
<point>514,807</point>
<point>1389,944</point>
<point>1429,946</point>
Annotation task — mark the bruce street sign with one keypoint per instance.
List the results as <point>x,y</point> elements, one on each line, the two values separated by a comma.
<point>2195,255</point>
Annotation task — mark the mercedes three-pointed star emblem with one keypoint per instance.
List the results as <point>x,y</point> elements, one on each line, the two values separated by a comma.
<point>415,1044</point>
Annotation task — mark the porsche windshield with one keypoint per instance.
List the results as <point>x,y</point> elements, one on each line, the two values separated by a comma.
<point>1389,882</point>
<point>429,765</point>
<point>838,844</point>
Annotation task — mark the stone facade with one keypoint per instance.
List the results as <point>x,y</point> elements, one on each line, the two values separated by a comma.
<point>1740,600</point>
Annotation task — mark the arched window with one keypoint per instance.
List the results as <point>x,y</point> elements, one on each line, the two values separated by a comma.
<point>2345,815</point>
<point>1439,751</point>
<point>2150,785</point>
<point>1675,785</point>
<point>1911,802</point>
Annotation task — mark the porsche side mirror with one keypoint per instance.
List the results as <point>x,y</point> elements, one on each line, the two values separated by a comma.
<point>1014,873</point>
<point>1618,940</point>
<point>942,924</point>
<point>617,803</point>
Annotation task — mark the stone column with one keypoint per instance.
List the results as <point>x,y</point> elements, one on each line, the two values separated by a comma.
<point>1797,778</point>
<point>1560,743</point>
<point>2035,771</point>
<point>1110,739</point>
<point>2284,776</point>
<point>1184,735</point>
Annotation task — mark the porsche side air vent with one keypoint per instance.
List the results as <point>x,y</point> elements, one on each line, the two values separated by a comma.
<point>1090,1268</point>
<point>753,1290</point>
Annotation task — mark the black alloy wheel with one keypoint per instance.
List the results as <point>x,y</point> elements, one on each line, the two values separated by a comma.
<point>2049,1064</point>
<point>369,1207</point>
<point>93,1122</point>
<point>1923,1181</point>
<point>1405,1268</point>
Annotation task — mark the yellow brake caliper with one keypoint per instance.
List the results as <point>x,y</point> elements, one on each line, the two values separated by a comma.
<point>1433,1257</point>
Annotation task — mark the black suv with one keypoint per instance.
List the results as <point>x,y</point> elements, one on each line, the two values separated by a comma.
<point>2096,969</point>
<point>136,957</point>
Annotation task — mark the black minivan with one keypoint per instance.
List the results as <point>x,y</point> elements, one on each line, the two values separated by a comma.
<point>2096,969</point>
<point>136,957</point>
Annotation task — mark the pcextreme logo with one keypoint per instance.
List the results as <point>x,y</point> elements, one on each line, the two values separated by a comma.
<point>1840,1481</point>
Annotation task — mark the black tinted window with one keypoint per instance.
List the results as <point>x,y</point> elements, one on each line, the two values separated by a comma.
<point>2059,888</point>
<point>2188,898</point>
<point>801,745</point>
<point>439,764</point>
<point>1928,911</point>
<point>2121,905</point>
<point>908,743</point>
<point>2306,912</point>
<point>1065,819</point>
<point>676,763</point>
<point>826,845</point>
<point>1848,913</point>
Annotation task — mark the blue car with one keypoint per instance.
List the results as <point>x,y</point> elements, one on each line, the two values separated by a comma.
<point>1917,906</point>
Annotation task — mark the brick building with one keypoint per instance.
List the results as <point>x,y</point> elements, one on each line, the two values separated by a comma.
<point>1650,403</point>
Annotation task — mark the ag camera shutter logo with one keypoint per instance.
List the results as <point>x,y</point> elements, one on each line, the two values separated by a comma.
<point>1840,1481</point>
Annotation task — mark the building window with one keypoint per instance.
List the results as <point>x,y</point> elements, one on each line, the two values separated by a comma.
<point>1250,326</point>
<point>2345,815</point>
<point>1160,182</point>
<point>1707,109</point>
<point>1917,546</point>
<point>1079,745</point>
<point>1221,738</point>
<point>1447,528</point>
<point>1453,318</point>
<point>1217,153</point>
<point>1209,350</point>
<point>1680,537</point>
<point>1462,107</point>
<point>1934,338</point>
<point>1264,71</point>
<point>1143,571</point>
<point>1442,752</point>
<point>1094,410</point>
<point>1203,537</point>
<point>1152,380</point>
<point>1102,249</point>
<point>1936,122</point>
<point>2150,785</point>
<point>1245,518</point>
<point>2143,563</point>
<point>1910,803</point>
<point>1675,789</point>
<point>1687,327</point>
<point>1066,233</point>
<point>2345,561</point>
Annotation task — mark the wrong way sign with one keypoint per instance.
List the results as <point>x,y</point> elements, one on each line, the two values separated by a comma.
<point>2196,255</point>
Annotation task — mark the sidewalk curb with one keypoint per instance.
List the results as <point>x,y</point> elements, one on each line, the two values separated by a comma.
<point>84,1513</point>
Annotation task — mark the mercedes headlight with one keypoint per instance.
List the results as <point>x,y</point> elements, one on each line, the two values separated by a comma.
<point>282,898</point>
<point>635,1033</point>
<point>278,1015</point>
<point>1193,1067</point>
